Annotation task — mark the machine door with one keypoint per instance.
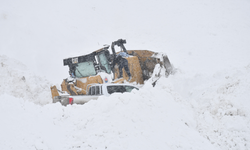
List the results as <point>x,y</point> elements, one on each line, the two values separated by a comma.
<point>104,63</point>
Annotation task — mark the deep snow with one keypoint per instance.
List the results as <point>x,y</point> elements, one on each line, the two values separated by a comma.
<point>204,105</point>
<point>178,113</point>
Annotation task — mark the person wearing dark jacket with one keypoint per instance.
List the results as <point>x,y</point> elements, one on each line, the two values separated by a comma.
<point>123,63</point>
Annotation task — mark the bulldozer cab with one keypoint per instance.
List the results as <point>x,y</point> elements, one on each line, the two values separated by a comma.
<point>89,65</point>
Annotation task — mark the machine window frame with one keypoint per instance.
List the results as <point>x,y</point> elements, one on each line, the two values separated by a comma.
<point>101,56</point>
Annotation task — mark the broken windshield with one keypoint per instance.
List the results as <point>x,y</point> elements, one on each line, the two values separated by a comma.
<point>85,69</point>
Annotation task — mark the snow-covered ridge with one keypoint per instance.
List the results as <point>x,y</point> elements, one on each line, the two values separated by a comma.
<point>18,81</point>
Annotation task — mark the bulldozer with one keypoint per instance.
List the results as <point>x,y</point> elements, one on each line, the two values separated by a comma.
<point>100,67</point>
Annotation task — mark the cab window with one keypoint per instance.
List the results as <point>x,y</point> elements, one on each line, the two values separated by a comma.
<point>104,62</point>
<point>85,69</point>
<point>120,89</point>
<point>130,88</point>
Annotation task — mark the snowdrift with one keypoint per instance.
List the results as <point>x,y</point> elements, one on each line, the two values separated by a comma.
<point>180,112</point>
<point>18,81</point>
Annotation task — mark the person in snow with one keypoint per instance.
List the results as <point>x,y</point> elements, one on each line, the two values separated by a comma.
<point>123,63</point>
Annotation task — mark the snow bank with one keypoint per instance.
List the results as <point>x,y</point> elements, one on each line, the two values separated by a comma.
<point>179,113</point>
<point>18,81</point>
<point>122,121</point>
<point>29,126</point>
<point>220,103</point>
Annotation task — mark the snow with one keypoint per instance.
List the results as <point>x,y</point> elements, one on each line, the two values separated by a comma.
<point>18,81</point>
<point>204,105</point>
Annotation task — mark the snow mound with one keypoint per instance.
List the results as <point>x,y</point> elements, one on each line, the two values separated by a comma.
<point>138,120</point>
<point>181,112</point>
<point>16,80</point>
<point>220,103</point>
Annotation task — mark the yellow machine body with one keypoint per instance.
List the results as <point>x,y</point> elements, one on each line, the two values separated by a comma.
<point>140,64</point>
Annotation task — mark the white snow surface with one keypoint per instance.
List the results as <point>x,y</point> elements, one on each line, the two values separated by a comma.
<point>203,106</point>
<point>17,80</point>
<point>178,113</point>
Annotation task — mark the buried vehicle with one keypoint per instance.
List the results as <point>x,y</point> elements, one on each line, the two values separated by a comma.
<point>102,67</point>
<point>94,91</point>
